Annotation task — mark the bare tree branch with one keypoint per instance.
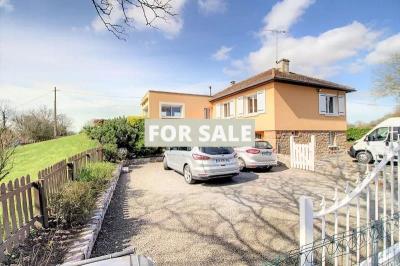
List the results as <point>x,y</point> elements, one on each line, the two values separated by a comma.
<point>152,10</point>
<point>7,149</point>
<point>387,82</point>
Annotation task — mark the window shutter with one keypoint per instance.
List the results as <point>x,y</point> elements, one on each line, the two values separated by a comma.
<point>240,106</point>
<point>322,104</point>
<point>218,111</point>
<point>261,101</point>
<point>232,108</point>
<point>335,105</point>
<point>342,105</point>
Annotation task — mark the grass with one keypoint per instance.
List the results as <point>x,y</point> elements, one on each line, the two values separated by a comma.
<point>29,159</point>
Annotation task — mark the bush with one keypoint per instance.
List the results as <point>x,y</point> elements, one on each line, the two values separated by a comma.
<point>74,203</point>
<point>355,133</point>
<point>121,137</point>
<point>97,174</point>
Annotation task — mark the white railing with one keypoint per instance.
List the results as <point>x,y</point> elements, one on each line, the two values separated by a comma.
<point>302,156</point>
<point>379,173</point>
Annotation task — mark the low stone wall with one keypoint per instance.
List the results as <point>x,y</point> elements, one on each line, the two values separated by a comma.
<point>321,138</point>
<point>135,161</point>
<point>82,245</point>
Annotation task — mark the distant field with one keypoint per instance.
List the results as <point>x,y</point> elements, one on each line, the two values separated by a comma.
<point>29,159</point>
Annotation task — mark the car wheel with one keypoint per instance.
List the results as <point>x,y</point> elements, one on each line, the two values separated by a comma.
<point>364,157</point>
<point>268,168</point>
<point>165,164</point>
<point>242,164</point>
<point>187,174</point>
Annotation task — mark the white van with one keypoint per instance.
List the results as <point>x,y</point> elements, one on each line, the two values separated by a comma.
<point>373,145</point>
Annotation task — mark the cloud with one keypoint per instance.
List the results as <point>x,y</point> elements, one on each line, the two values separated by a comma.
<point>285,13</point>
<point>316,55</point>
<point>222,53</point>
<point>171,26</point>
<point>212,6</point>
<point>6,5</point>
<point>384,49</point>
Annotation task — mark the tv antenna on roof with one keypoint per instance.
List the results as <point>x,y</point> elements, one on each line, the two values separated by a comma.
<point>276,33</point>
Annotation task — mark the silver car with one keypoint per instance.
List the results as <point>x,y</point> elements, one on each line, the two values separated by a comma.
<point>261,155</point>
<point>201,163</point>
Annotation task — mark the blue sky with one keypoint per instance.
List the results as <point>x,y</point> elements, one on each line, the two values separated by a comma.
<point>210,42</point>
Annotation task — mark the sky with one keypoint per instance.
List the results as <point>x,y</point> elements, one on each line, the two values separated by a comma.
<point>62,43</point>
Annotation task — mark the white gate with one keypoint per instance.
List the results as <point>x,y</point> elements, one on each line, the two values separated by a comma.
<point>302,155</point>
<point>377,238</point>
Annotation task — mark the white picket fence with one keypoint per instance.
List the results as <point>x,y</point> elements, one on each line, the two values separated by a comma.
<point>378,186</point>
<point>302,156</point>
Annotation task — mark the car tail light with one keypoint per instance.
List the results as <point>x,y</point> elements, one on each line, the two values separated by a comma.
<point>200,157</point>
<point>253,151</point>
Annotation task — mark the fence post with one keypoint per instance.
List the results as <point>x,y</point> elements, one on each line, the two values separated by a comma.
<point>41,201</point>
<point>87,158</point>
<point>291,151</point>
<point>306,229</point>
<point>70,171</point>
<point>312,153</point>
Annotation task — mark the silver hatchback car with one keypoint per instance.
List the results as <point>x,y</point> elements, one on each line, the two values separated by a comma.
<point>201,163</point>
<point>261,155</point>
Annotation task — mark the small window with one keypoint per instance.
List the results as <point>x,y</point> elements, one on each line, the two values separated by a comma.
<point>252,104</point>
<point>332,139</point>
<point>207,113</point>
<point>331,102</point>
<point>295,133</point>
<point>379,134</point>
<point>396,133</point>
<point>171,111</point>
<point>258,136</point>
<point>227,110</point>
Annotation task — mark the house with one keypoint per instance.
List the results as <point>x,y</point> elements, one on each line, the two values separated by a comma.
<point>281,102</point>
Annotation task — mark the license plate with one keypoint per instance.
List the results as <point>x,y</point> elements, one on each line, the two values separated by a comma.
<point>221,160</point>
<point>266,153</point>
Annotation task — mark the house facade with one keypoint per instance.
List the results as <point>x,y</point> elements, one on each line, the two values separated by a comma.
<point>281,102</point>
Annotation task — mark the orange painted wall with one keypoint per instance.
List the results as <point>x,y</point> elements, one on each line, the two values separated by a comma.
<point>263,121</point>
<point>297,108</point>
<point>193,104</point>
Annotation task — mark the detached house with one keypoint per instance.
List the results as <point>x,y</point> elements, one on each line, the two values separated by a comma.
<point>281,102</point>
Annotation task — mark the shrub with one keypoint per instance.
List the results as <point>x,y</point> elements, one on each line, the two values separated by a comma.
<point>97,174</point>
<point>121,137</point>
<point>355,133</point>
<point>74,203</point>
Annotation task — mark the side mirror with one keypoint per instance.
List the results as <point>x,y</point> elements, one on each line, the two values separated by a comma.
<point>386,142</point>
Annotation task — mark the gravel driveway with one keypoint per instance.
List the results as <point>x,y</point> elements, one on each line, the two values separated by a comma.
<point>245,221</point>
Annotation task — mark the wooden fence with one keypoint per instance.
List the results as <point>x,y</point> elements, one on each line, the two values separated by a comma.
<point>24,203</point>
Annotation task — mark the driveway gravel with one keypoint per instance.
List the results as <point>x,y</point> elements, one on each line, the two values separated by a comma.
<point>244,221</point>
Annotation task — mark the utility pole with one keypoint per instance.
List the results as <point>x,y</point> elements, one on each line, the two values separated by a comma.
<point>55,112</point>
<point>276,35</point>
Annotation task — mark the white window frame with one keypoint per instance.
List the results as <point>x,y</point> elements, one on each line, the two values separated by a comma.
<point>172,104</point>
<point>230,105</point>
<point>339,104</point>
<point>246,101</point>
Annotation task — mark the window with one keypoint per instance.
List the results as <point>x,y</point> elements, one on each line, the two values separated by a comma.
<point>227,110</point>
<point>171,111</point>
<point>216,150</point>
<point>379,134</point>
<point>332,104</point>
<point>262,145</point>
<point>207,113</point>
<point>396,133</point>
<point>252,104</point>
<point>258,136</point>
<point>332,139</point>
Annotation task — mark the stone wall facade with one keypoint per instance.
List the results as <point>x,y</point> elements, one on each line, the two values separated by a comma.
<point>282,142</point>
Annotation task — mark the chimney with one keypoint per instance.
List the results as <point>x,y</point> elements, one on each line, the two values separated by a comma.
<point>233,82</point>
<point>283,65</point>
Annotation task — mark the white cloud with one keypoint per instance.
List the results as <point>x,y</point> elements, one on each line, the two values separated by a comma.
<point>384,49</point>
<point>222,53</point>
<point>6,5</point>
<point>171,26</point>
<point>285,13</point>
<point>212,6</point>
<point>315,55</point>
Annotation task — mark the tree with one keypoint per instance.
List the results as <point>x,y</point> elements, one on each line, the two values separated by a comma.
<point>111,12</point>
<point>6,114</point>
<point>7,148</point>
<point>387,82</point>
<point>37,125</point>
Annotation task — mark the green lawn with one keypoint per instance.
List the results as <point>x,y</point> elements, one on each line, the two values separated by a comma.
<point>29,159</point>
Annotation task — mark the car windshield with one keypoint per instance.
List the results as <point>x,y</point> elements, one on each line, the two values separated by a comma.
<point>262,145</point>
<point>216,150</point>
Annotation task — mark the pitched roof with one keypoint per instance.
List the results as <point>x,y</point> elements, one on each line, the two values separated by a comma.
<point>276,75</point>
